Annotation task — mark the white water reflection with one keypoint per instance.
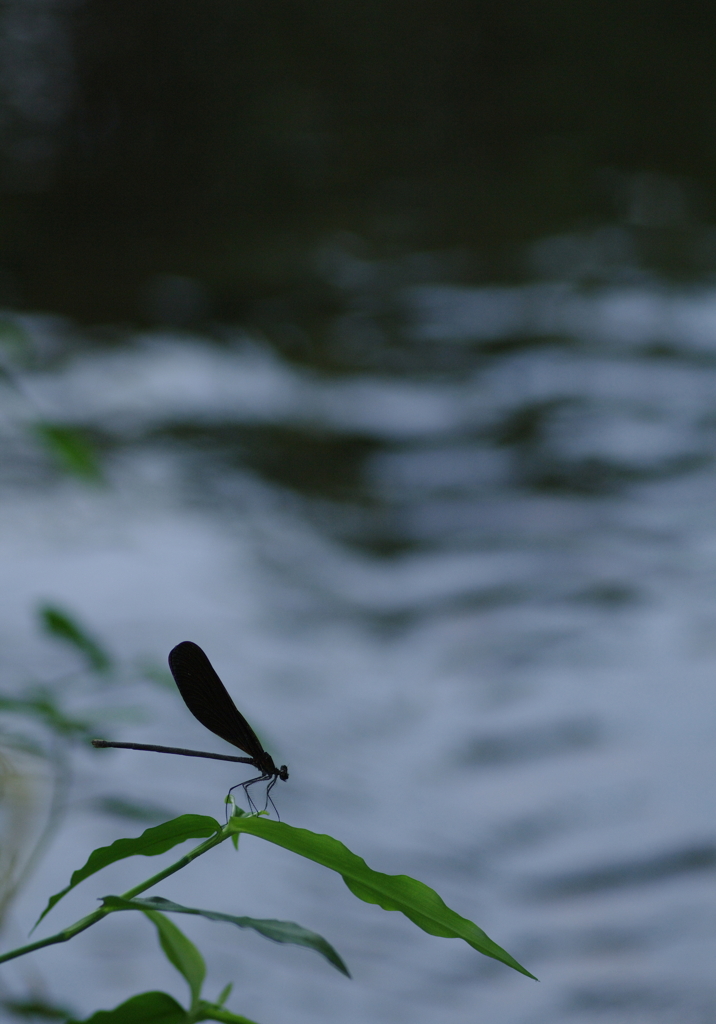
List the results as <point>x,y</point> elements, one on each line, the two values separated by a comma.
<point>517,706</point>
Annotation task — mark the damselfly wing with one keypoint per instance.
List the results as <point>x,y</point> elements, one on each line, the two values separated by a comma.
<point>209,702</point>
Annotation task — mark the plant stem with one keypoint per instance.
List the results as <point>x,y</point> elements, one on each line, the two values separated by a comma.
<point>97,915</point>
<point>204,847</point>
<point>63,936</point>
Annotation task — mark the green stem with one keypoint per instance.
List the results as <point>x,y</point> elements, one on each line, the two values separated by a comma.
<point>86,922</point>
<point>177,865</point>
<point>63,936</point>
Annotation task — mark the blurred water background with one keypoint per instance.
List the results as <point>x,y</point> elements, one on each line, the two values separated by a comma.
<point>373,348</point>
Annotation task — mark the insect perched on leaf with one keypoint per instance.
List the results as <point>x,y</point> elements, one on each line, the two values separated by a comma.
<point>208,700</point>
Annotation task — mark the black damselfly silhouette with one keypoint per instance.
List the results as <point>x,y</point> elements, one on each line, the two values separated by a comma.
<point>208,700</point>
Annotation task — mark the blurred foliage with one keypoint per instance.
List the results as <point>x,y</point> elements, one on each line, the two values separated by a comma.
<point>43,707</point>
<point>41,726</point>
<point>120,807</point>
<point>71,450</point>
<point>146,1008</point>
<point>34,1009</point>
<point>204,148</point>
<point>42,721</point>
<point>60,624</point>
<point>311,460</point>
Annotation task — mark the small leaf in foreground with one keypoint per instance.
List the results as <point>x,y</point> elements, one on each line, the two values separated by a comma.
<point>181,952</point>
<point>35,1009</point>
<point>214,1011</point>
<point>41,705</point>
<point>278,931</point>
<point>71,450</point>
<point>147,1008</point>
<point>417,901</point>
<point>152,842</point>
<point>59,623</point>
<point>224,994</point>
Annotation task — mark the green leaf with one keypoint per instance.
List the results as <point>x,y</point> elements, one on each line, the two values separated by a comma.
<point>34,1008</point>
<point>147,1008</point>
<point>152,842</point>
<point>180,952</point>
<point>215,1011</point>
<point>278,931</point>
<point>236,812</point>
<point>59,623</point>
<point>71,450</point>
<point>41,705</point>
<point>224,994</point>
<point>417,901</point>
<point>160,1008</point>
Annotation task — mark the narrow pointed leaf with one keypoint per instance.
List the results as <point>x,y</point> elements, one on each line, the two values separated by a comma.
<point>35,1007</point>
<point>41,705</point>
<point>278,931</point>
<point>180,952</point>
<point>59,623</point>
<point>224,994</point>
<point>71,450</point>
<point>152,842</point>
<point>417,901</point>
<point>146,1008</point>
